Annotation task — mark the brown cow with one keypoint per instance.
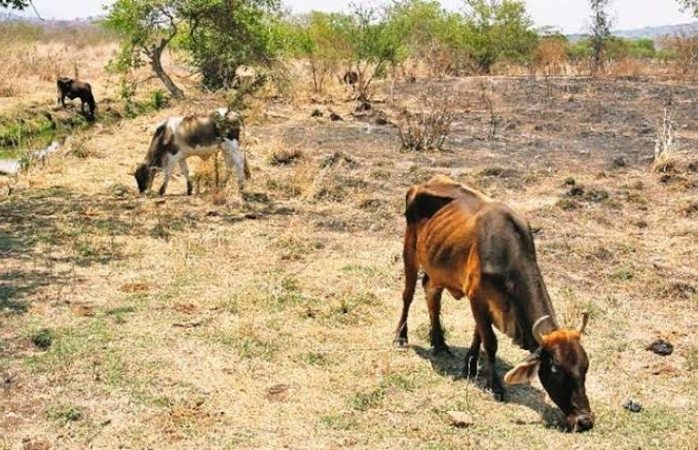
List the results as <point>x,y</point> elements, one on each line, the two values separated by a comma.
<point>473,246</point>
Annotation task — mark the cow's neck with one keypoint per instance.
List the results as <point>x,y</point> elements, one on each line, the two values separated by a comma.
<point>533,303</point>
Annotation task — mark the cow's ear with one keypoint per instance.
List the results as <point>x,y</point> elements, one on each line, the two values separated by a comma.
<point>524,372</point>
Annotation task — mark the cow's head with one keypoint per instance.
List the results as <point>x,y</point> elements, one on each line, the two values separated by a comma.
<point>561,364</point>
<point>63,83</point>
<point>144,177</point>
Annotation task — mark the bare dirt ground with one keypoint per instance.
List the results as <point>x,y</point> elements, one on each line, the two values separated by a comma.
<point>213,322</point>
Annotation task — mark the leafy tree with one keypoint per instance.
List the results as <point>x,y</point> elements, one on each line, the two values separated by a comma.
<point>600,31</point>
<point>689,5</point>
<point>226,34</point>
<point>14,4</point>
<point>423,30</point>
<point>317,38</point>
<point>498,30</point>
<point>146,27</point>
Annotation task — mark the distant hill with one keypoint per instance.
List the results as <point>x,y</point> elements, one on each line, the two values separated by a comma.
<point>656,32</point>
<point>651,32</point>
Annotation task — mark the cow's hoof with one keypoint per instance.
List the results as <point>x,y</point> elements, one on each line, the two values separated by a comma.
<point>400,342</point>
<point>497,391</point>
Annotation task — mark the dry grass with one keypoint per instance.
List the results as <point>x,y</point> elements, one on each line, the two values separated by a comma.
<point>213,322</point>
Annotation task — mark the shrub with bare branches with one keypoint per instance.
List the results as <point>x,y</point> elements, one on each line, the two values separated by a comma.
<point>427,129</point>
<point>665,147</point>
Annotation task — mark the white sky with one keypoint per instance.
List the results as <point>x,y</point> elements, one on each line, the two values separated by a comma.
<point>568,15</point>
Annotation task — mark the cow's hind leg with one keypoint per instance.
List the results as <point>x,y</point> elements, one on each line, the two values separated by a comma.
<point>411,274</point>
<point>234,158</point>
<point>184,168</point>
<point>433,295</point>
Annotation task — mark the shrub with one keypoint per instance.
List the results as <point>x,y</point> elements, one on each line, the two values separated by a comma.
<point>425,131</point>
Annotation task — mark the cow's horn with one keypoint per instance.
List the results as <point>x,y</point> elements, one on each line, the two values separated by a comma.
<point>585,321</point>
<point>537,335</point>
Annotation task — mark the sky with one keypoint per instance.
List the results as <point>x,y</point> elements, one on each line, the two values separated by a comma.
<point>569,16</point>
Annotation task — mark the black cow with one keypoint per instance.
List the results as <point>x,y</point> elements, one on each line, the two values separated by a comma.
<point>351,78</point>
<point>67,87</point>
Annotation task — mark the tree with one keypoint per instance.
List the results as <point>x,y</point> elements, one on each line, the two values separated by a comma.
<point>226,34</point>
<point>600,31</point>
<point>371,45</point>
<point>689,5</point>
<point>498,30</point>
<point>14,4</point>
<point>425,31</point>
<point>146,27</point>
<point>316,37</point>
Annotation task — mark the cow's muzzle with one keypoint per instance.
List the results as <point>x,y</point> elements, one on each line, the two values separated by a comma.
<point>580,423</point>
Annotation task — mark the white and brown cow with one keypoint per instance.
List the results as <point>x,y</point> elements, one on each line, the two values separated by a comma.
<point>178,138</point>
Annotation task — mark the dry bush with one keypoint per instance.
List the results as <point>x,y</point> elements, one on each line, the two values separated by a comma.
<point>486,96</point>
<point>550,57</point>
<point>428,128</point>
<point>685,51</point>
<point>665,147</point>
<point>627,67</point>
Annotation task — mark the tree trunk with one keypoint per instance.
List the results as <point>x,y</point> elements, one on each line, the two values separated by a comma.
<point>156,63</point>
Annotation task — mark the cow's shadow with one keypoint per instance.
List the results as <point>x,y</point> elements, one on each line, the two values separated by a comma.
<point>451,365</point>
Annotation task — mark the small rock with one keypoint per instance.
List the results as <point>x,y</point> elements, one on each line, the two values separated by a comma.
<point>632,406</point>
<point>576,191</point>
<point>316,113</point>
<point>334,117</point>
<point>661,347</point>
<point>618,162</point>
<point>459,419</point>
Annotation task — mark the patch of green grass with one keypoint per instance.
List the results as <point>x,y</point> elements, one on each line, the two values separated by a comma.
<point>341,422</point>
<point>64,413</point>
<point>624,273</point>
<point>253,347</point>
<point>42,338</point>
<point>119,313</point>
<point>371,398</point>
<point>314,359</point>
<point>567,204</point>
<point>71,345</point>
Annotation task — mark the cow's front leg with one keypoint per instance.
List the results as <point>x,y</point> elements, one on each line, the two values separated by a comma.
<point>184,168</point>
<point>170,163</point>
<point>234,158</point>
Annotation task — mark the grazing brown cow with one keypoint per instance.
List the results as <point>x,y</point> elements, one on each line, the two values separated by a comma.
<point>67,87</point>
<point>473,246</point>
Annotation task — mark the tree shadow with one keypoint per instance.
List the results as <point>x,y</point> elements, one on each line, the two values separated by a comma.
<point>43,228</point>
<point>451,365</point>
